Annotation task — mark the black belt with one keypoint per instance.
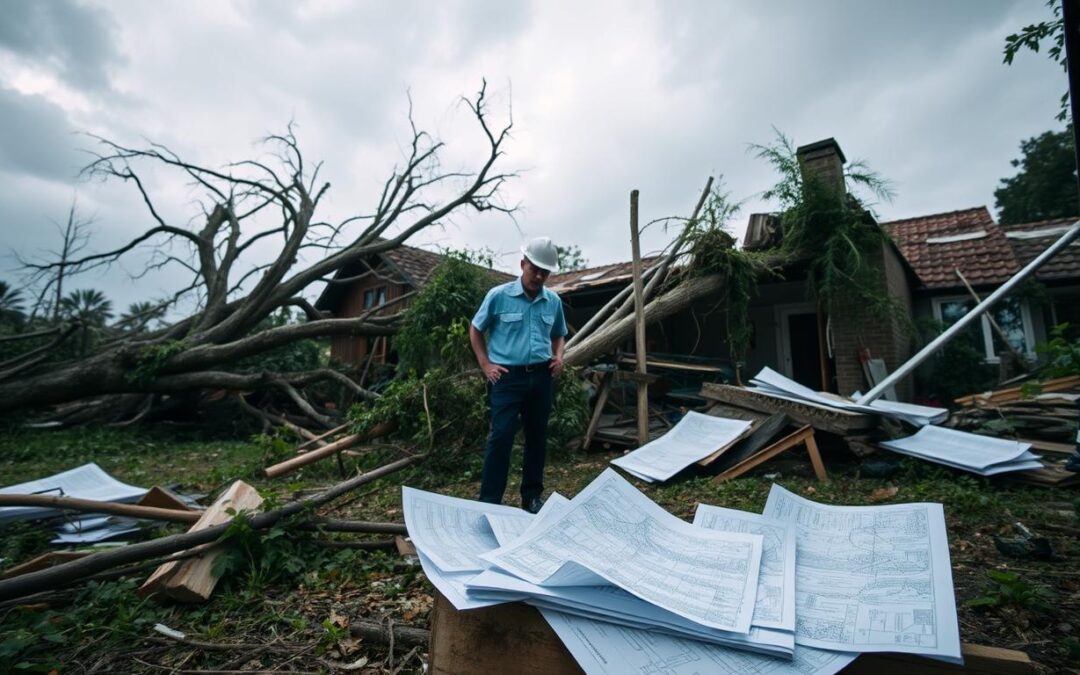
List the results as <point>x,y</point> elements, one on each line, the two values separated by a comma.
<point>531,368</point>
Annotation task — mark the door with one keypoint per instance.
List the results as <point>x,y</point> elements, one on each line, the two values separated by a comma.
<point>799,344</point>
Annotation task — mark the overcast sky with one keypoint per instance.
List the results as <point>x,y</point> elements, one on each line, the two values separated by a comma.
<point>606,97</point>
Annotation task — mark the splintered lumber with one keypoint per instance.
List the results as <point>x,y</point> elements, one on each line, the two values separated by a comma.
<point>514,638</point>
<point>290,465</point>
<point>75,571</point>
<point>840,422</point>
<point>1017,393</point>
<point>94,506</point>
<point>193,580</point>
<point>803,436</point>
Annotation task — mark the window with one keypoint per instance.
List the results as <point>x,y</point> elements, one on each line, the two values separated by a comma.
<point>375,297</point>
<point>1011,315</point>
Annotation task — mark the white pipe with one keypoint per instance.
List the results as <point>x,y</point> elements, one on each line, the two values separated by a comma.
<point>976,311</point>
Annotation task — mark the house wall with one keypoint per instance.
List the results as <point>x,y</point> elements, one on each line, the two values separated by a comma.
<point>354,348</point>
<point>889,340</point>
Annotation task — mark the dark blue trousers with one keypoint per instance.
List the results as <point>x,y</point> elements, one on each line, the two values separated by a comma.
<point>519,399</point>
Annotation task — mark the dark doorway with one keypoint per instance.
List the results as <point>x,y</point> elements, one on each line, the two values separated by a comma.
<point>805,350</point>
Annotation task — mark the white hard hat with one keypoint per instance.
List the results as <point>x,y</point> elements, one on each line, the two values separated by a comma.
<point>542,253</point>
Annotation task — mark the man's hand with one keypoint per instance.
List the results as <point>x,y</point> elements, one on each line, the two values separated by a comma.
<point>493,371</point>
<point>556,365</point>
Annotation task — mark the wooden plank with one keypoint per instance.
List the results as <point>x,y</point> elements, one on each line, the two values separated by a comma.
<point>798,437</point>
<point>404,546</point>
<point>671,365</point>
<point>815,458</point>
<point>318,439</point>
<point>514,638</point>
<point>762,435</point>
<point>1049,446</point>
<point>834,421</point>
<point>977,659</point>
<point>509,638</point>
<point>598,411</point>
<point>735,412</point>
<point>163,498</point>
<point>194,580</point>
<point>215,515</point>
<point>1016,393</point>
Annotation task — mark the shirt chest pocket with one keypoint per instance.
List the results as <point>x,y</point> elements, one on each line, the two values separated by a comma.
<point>546,322</point>
<point>510,321</point>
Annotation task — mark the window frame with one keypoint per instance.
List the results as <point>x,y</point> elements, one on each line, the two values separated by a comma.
<point>989,355</point>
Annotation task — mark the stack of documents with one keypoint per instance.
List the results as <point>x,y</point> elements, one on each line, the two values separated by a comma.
<point>630,588</point>
<point>983,455</point>
<point>693,438</point>
<point>772,383</point>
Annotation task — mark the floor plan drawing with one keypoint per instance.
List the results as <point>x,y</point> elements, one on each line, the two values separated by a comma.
<point>871,578</point>
<point>775,607</point>
<point>617,534</point>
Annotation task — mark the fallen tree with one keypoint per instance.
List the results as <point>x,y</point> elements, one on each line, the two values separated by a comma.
<point>247,204</point>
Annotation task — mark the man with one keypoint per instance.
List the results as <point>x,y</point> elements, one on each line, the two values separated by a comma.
<point>523,351</point>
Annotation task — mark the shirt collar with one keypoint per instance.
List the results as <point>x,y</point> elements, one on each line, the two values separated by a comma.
<point>518,289</point>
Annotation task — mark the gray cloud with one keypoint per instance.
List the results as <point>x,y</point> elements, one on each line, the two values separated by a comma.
<point>74,39</point>
<point>37,138</point>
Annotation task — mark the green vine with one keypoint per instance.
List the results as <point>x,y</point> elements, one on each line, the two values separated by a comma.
<point>833,231</point>
<point>151,359</point>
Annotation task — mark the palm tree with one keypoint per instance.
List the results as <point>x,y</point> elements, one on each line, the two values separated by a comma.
<point>139,314</point>
<point>91,309</point>
<point>11,305</point>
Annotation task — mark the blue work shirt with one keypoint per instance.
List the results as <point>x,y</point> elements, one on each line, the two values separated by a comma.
<point>519,329</point>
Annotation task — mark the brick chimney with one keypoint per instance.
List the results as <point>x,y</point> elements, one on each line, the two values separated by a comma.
<point>823,161</point>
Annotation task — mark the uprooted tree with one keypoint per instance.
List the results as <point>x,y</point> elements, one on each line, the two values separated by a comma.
<point>236,293</point>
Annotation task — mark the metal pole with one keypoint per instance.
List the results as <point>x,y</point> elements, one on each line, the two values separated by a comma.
<point>976,312</point>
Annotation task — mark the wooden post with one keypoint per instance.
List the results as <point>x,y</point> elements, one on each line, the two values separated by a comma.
<point>639,325</point>
<point>601,399</point>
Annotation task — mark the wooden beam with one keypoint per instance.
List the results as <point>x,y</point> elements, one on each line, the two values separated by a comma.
<point>94,506</point>
<point>601,399</point>
<point>834,421</point>
<point>639,325</point>
<point>290,465</point>
<point>803,436</point>
<point>320,437</point>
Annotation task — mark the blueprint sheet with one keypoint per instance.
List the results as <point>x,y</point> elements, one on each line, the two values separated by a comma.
<point>451,532</point>
<point>88,481</point>
<point>617,535</point>
<point>871,578</point>
<point>776,580</point>
<point>971,452</point>
<point>601,648</point>
<point>695,437</point>
<point>614,605</point>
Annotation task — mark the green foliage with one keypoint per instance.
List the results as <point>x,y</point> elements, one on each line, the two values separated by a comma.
<point>571,258</point>
<point>712,251</point>
<point>833,230</point>
<point>1032,36</point>
<point>570,410</point>
<point>12,311</point>
<point>1045,186</point>
<point>151,359</point>
<point>1008,589</point>
<point>92,310</point>
<point>440,312</point>
<point>1061,355</point>
<point>957,369</point>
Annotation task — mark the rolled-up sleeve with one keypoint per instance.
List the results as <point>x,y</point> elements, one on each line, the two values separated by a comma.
<point>482,319</point>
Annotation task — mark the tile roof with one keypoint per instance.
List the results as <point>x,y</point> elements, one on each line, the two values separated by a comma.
<point>969,240</point>
<point>1028,240</point>
<point>594,277</point>
<point>414,265</point>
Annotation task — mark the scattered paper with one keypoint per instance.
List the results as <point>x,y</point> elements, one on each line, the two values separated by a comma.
<point>871,578</point>
<point>612,533</point>
<point>88,481</point>
<point>983,455</point>
<point>452,532</point>
<point>693,438</point>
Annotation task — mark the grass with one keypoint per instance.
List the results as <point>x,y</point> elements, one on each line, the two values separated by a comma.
<point>290,598</point>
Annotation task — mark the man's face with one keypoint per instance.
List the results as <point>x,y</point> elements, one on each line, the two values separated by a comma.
<point>532,277</point>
